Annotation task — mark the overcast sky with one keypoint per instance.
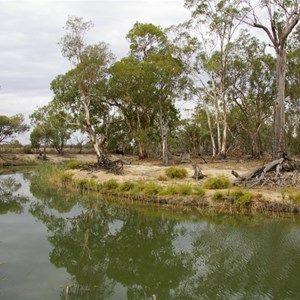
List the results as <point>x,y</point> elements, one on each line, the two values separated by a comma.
<point>30,56</point>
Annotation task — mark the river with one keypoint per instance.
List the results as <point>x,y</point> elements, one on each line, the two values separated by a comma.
<point>56,244</point>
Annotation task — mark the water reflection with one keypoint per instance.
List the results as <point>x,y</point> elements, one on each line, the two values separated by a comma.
<point>10,201</point>
<point>117,251</point>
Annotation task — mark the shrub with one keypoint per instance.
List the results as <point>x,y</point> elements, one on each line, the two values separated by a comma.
<point>174,172</point>
<point>241,197</point>
<point>217,183</point>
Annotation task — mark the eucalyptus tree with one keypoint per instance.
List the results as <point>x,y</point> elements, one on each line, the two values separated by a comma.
<point>277,19</point>
<point>251,88</point>
<point>88,102</point>
<point>293,93</point>
<point>11,126</point>
<point>145,84</point>
<point>50,127</point>
<point>205,43</point>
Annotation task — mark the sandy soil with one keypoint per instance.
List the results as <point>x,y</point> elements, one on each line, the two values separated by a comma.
<point>152,170</point>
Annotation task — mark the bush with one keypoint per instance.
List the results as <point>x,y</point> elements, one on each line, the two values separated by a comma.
<point>174,172</point>
<point>240,197</point>
<point>217,183</point>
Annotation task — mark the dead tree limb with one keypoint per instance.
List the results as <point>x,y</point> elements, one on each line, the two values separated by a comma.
<point>280,172</point>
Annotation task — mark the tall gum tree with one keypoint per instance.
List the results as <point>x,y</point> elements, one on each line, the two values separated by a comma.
<point>145,84</point>
<point>90,71</point>
<point>277,18</point>
<point>212,17</point>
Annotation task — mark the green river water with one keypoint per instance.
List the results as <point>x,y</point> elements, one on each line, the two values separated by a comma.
<point>62,245</point>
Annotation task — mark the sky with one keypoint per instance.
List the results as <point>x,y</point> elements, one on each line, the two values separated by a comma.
<point>30,57</point>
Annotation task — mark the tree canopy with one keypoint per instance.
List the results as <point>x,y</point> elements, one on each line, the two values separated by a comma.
<point>11,126</point>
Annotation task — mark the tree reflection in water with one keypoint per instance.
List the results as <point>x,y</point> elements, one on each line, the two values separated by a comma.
<point>10,201</point>
<point>111,249</point>
<point>109,244</point>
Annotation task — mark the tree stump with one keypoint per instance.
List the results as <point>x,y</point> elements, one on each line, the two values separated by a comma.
<point>197,172</point>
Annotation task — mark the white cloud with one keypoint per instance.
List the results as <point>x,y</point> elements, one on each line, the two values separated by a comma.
<point>30,56</point>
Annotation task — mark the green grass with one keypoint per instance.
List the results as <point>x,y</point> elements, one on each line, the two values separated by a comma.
<point>74,164</point>
<point>175,172</point>
<point>126,186</point>
<point>241,197</point>
<point>217,183</point>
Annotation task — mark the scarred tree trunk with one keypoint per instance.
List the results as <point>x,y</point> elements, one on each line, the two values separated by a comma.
<point>98,144</point>
<point>163,135</point>
<point>212,139</point>
<point>279,119</point>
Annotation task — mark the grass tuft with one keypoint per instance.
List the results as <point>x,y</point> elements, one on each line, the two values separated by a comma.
<point>217,183</point>
<point>175,172</point>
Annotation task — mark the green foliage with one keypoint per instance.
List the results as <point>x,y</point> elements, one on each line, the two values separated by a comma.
<point>241,197</point>
<point>217,183</point>
<point>146,39</point>
<point>175,172</point>
<point>10,126</point>
<point>51,127</point>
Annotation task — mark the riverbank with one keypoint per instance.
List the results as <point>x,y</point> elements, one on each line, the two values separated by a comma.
<point>146,181</point>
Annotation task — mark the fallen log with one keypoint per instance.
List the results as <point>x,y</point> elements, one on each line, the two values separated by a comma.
<point>281,172</point>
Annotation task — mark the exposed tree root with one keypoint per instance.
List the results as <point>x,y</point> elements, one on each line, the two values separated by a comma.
<point>112,166</point>
<point>281,172</point>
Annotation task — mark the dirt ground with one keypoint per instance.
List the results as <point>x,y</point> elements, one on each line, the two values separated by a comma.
<point>153,170</point>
